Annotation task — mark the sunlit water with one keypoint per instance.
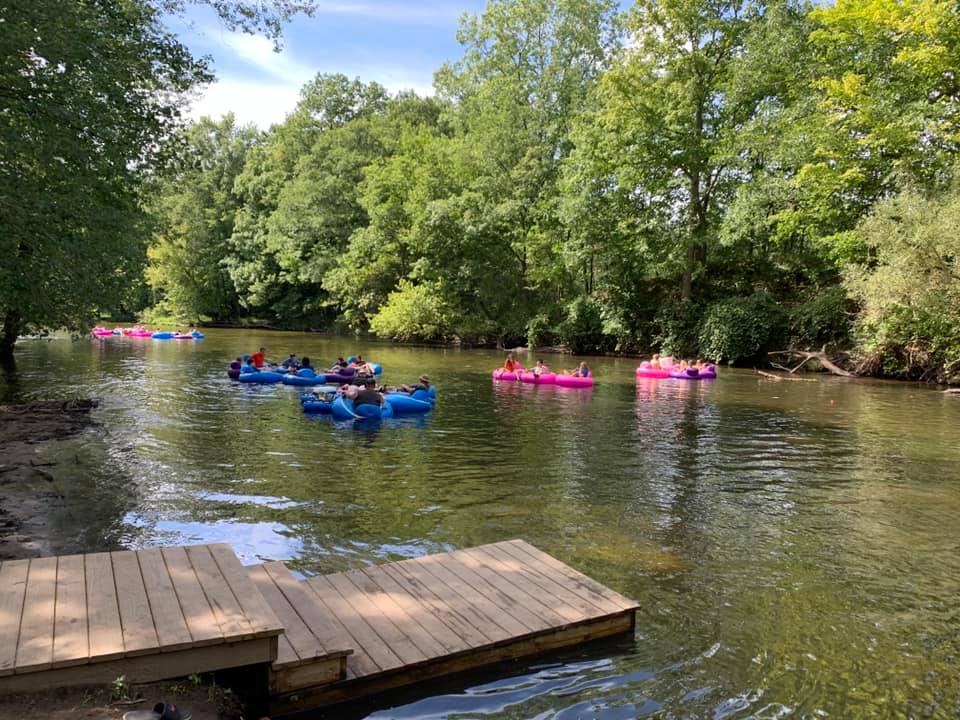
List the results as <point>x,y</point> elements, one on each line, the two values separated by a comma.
<point>793,546</point>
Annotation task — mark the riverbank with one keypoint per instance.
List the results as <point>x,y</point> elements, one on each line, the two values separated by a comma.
<point>35,443</point>
<point>204,702</point>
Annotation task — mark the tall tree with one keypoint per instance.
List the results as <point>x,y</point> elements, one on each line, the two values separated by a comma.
<point>660,131</point>
<point>194,205</point>
<point>89,94</point>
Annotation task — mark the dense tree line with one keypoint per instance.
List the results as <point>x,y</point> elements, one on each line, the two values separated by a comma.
<point>701,178</point>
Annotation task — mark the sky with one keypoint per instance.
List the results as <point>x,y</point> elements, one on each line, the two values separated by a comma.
<point>398,44</point>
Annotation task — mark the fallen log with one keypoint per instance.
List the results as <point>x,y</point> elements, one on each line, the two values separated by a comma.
<point>772,376</point>
<point>806,356</point>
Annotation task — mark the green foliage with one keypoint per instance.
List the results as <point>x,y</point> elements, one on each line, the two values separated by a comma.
<point>120,688</point>
<point>76,137</point>
<point>740,328</point>
<point>540,331</point>
<point>582,328</point>
<point>194,206</point>
<point>822,317</point>
<point>413,312</point>
<point>909,292</point>
<point>676,328</point>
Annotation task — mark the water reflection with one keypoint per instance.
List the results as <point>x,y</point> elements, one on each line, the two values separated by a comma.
<point>792,544</point>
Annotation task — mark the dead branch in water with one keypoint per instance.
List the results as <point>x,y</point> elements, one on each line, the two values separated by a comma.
<point>806,356</point>
<point>781,377</point>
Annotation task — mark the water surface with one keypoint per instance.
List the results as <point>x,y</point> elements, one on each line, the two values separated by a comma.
<point>793,545</point>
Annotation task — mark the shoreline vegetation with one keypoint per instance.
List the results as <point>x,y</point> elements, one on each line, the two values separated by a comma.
<point>716,180</point>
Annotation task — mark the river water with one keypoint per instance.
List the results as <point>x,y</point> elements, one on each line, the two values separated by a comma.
<point>793,545</point>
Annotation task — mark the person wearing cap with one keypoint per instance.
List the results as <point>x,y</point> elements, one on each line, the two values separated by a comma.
<point>368,395</point>
<point>424,384</point>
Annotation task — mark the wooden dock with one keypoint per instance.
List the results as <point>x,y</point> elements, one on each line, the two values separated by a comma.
<point>154,614</point>
<point>147,615</point>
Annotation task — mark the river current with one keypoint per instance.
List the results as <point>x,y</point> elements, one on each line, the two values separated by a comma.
<point>793,545</point>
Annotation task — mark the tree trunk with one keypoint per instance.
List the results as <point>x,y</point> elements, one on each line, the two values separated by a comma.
<point>12,326</point>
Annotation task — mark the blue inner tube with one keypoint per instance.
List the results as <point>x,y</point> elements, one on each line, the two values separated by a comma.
<point>262,378</point>
<point>198,335</point>
<point>343,409</point>
<point>303,381</point>
<point>162,335</point>
<point>404,404</point>
<point>317,407</point>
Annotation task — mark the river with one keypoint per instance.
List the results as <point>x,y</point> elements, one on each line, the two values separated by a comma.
<point>793,545</point>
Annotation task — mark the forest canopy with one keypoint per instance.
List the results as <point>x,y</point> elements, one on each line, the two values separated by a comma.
<point>716,179</point>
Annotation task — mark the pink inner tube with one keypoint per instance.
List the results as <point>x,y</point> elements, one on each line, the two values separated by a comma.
<point>503,374</point>
<point>102,333</point>
<point>547,378</point>
<point>648,372</point>
<point>574,381</point>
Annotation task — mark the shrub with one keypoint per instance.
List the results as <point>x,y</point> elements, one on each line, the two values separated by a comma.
<point>740,328</point>
<point>540,331</point>
<point>821,318</point>
<point>412,312</point>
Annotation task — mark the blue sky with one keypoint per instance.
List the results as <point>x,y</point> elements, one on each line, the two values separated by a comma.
<point>398,44</point>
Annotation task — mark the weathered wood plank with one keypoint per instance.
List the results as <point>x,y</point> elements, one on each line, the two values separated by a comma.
<point>230,617</point>
<point>103,613</point>
<point>168,620</point>
<point>331,635</point>
<point>604,598</point>
<point>202,623</point>
<point>387,632</point>
<point>363,635</point>
<point>478,595</point>
<point>13,588</point>
<point>35,646</point>
<point>426,595</point>
<point>71,644</point>
<point>263,621</point>
<point>302,644</point>
<point>565,606</point>
<point>136,619</point>
<point>512,597</point>
<point>410,625</point>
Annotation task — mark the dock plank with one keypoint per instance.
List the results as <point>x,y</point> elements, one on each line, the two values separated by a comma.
<point>263,621</point>
<point>71,644</point>
<point>477,594</point>
<point>35,646</point>
<point>547,566</point>
<point>364,637</point>
<point>408,624</point>
<point>330,633</point>
<point>565,606</point>
<point>168,620</point>
<point>303,644</point>
<point>103,613</point>
<point>230,617</point>
<point>436,605</point>
<point>136,620</point>
<point>13,588</point>
<point>203,625</point>
<point>527,608</point>
<point>386,630</point>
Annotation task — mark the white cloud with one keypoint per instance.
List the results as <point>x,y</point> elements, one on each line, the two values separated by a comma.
<point>260,104</point>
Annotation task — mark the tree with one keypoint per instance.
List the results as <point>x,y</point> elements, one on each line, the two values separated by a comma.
<point>661,130</point>
<point>90,95</point>
<point>194,205</point>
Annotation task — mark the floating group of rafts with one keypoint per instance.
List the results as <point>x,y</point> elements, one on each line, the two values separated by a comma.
<point>142,332</point>
<point>542,378</point>
<point>304,377</point>
<point>669,369</point>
